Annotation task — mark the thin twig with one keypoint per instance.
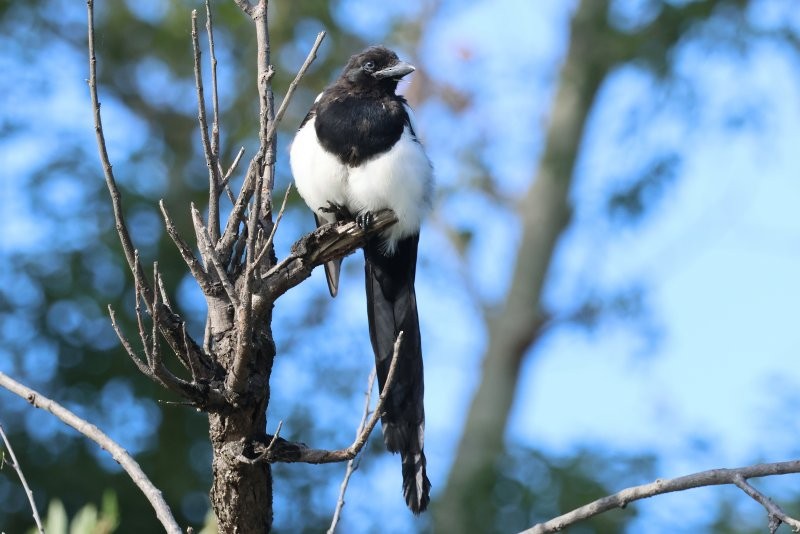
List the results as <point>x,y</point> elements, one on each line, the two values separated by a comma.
<point>271,237</point>
<point>111,183</point>
<point>713,477</point>
<point>245,460</point>
<point>155,350</point>
<point>21,475</point>
<point>214,96</point>
<point>276,436</point>
<point>298,452</point>
<point>312,55</point>
<point>773,510</point>
<point>267,129</point>
<point>210,255</point>
<point>192,369</point>
<point>164,297</point>
<point>138,294</point>
<point>198,273</point>
<point>353,463</point>
<point>208,149</point>
<point>89,430</point>
<point>227,178</point>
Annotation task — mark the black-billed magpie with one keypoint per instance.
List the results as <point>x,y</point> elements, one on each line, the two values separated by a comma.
<point>357,152</point>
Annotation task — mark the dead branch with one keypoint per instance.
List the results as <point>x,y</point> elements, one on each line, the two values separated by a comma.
<point>116,451</point>
<point>214,99</point>
<point>204,241</point>
<point>289,452</point>
<point>268,245</point>
<point>196,393</point>
<point>713,477</point>
<point>18,468</point>
<point>198,273</point>
<point>208,148</point>
<point>169,322</point>
<point>327,242</point>
<point>775,513</point>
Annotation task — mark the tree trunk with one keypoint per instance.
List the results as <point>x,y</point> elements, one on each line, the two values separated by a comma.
<point>466,505</point>
<point>241,494</point>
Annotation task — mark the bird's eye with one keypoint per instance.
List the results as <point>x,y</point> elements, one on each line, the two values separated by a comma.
<point>369,65</point>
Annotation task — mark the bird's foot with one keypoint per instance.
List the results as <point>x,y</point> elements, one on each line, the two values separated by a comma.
<point>339,211</point>
<point>364,219</point>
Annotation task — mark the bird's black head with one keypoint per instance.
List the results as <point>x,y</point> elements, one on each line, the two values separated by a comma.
<point>377,67</point>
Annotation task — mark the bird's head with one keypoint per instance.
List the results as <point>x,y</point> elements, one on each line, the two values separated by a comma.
<point>376,67</point>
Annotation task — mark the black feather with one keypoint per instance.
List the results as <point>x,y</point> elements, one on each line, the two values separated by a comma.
<point>392,308</point>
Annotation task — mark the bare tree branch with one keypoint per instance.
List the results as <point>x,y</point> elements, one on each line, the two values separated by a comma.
<point>265,249</point>
<point>353,463</point>
<point>199,395</point>
<point>288,452</point>
<point>227,177</point>
<point>214,94</point>
<point>208,148</point>
<point>327,242</point>
<point>775,514</point>
<point>198,273</point>
<point>713,477</point>
<point>116,451</point>
<point>18,468</point>
<point>111,183</point>
<point>312,55</point>
<point>210,255</point>
<point>168,321</point>
<point>268,136</point>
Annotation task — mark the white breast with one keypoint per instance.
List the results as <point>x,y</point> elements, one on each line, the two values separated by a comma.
<point>319,176</point>
<point>401,179</point>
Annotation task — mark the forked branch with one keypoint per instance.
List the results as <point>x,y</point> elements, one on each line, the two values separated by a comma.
<point>713,477</point>
<point>284,451</point>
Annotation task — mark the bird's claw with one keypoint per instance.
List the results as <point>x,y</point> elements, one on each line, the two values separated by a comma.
<point>364,219</point>
<point>339,211</point>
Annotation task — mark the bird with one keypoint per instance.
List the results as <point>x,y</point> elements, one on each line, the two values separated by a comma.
<point>356,153</point>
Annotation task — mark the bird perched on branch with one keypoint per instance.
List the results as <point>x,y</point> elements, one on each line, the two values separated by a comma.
<point>356,153</point>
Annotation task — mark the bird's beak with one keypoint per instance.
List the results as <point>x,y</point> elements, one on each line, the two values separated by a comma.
<point>394,72</point>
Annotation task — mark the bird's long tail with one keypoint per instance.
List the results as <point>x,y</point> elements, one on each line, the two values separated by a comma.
<point>392,308</point>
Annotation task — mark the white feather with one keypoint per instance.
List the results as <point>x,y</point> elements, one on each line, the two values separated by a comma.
<point>400,179</point>
<point>320,177</point>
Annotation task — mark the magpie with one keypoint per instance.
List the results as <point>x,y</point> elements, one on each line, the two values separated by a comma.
<point>355,153</point>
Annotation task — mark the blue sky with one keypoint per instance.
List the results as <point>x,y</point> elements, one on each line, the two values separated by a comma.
<point>718,253</point>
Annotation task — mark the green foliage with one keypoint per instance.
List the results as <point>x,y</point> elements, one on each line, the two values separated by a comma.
<point>87,520</point>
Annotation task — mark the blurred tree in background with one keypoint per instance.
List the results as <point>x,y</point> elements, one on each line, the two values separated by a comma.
<point>507,164</point>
